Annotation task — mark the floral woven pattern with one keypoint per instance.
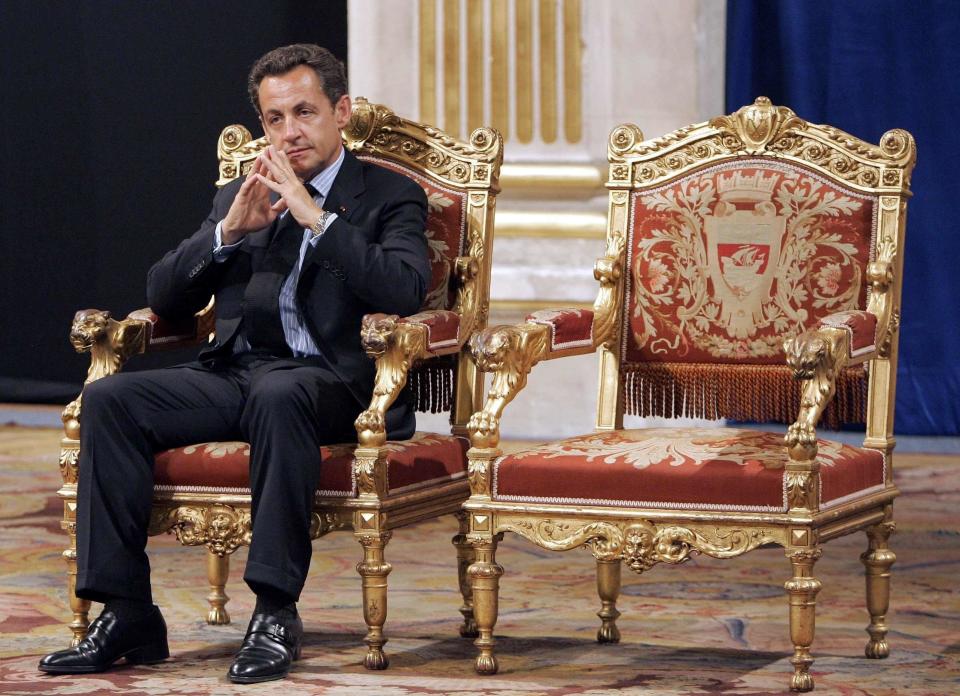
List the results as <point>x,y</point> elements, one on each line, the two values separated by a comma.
<point>696,468</point>
<point>727,262</point>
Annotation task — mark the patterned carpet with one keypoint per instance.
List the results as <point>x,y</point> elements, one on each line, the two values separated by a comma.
<point>708,627</point>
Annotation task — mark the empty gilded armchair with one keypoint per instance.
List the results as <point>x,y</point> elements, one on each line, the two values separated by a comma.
<point>752,272</point>
<point>373,486</point>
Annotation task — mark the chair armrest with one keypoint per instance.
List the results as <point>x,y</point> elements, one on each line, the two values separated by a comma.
<point>862,329</point>
<point>396,344</point>
<point>162,334</point>
<point>817,356</point>
<point>511,351</point>
<point>571,330</point>
<point>110,344</point>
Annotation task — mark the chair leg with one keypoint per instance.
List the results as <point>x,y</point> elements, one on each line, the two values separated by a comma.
<point>485,581</point>
<point>802,589</point>
<point>877,560</point>
<point>373,571</point>
<point>465,557</point>
<point>79,607</point>
<point>218,570</point>
<point>608,587</point>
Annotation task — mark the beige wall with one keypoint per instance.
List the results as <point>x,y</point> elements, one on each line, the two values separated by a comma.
<point>653,63</point>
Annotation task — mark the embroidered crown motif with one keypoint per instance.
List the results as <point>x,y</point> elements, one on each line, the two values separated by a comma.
<point>739,187</point>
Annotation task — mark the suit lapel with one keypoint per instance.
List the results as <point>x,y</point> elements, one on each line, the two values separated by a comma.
<point>346,189</point>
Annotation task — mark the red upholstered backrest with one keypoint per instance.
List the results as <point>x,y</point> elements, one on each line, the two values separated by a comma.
<point>729,261</point>
<point>446,232</point>
<point>724,265</point>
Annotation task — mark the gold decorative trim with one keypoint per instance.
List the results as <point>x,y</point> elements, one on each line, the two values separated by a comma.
<point>640,543</point>
<point>764,129</point>
<point>221,528</point>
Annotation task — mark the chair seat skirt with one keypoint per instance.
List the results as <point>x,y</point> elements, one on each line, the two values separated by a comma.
<point>680,468</point>
<point>425,460</point>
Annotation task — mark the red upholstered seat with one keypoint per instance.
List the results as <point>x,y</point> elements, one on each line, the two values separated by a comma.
<point>425,459</point>
<point>696,468</point>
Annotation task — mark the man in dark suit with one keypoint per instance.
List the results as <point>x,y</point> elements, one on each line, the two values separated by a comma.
<point>296,254</point>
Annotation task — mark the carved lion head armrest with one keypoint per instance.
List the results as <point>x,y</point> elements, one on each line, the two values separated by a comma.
<point>396,344</point>
<point>817,356</point>
<point>110,344</point>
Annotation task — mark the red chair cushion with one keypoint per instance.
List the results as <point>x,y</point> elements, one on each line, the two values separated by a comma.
<point>693,468</point>
<point>224,467</point>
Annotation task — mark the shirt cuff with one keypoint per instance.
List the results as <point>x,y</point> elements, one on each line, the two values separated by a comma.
<point>326,226</point>
<point>222,251</point>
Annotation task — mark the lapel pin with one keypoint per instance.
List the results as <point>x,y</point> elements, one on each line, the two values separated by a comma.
<point>343,210</point>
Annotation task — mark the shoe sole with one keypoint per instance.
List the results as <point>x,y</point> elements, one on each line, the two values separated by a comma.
<point>133,658</point>
<point>257,680</point>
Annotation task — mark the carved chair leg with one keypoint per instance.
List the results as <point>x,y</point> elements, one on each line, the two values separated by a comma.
<point>373,571</point>
<point>608,587</point>
<point>79,607</point>
<point>465,557</point>
<point>802,589</point>
<point>485,581</point>
<point>877,560</point>
<point>218,570</point>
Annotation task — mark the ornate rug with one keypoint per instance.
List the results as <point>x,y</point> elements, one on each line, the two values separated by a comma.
<point>706,627</point>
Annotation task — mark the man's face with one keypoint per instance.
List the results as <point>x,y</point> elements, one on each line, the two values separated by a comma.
<point>299,119</point>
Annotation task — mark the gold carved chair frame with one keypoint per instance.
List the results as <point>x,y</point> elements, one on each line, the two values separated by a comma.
<point>643,537</point>
<point>401,348</point>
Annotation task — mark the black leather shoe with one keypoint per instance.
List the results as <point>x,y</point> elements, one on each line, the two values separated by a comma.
<point>271,645</point>
<point>142,641</point>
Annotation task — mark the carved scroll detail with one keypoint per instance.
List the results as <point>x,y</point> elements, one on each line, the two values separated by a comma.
<point>68,464</point>
<point>800,489</point>
<point>641,544</point>
<point>221,528</point>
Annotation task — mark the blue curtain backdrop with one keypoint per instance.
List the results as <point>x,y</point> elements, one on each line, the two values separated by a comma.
<point>867,67</point>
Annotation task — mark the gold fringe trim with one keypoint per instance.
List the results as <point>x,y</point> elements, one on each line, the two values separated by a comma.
<point>754,393</point>
<point>431,384</point>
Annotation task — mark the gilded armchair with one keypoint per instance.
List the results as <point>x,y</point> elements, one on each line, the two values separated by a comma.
<point>752,272</point>
<point>373,486</point>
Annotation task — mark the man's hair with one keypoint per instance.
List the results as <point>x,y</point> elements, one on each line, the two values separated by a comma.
<point>279,61</point>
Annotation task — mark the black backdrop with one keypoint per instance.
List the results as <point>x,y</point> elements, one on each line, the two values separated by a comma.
<point>110,116</point>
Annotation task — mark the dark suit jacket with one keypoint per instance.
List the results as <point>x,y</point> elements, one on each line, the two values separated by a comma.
<point>372,258</point>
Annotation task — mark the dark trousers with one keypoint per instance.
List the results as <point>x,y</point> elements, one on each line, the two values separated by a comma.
<point>284,407</point>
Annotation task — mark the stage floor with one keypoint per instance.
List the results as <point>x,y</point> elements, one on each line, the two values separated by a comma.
<point>706,627</point>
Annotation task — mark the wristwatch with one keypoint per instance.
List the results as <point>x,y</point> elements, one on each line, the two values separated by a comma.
<point>321,224</point>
